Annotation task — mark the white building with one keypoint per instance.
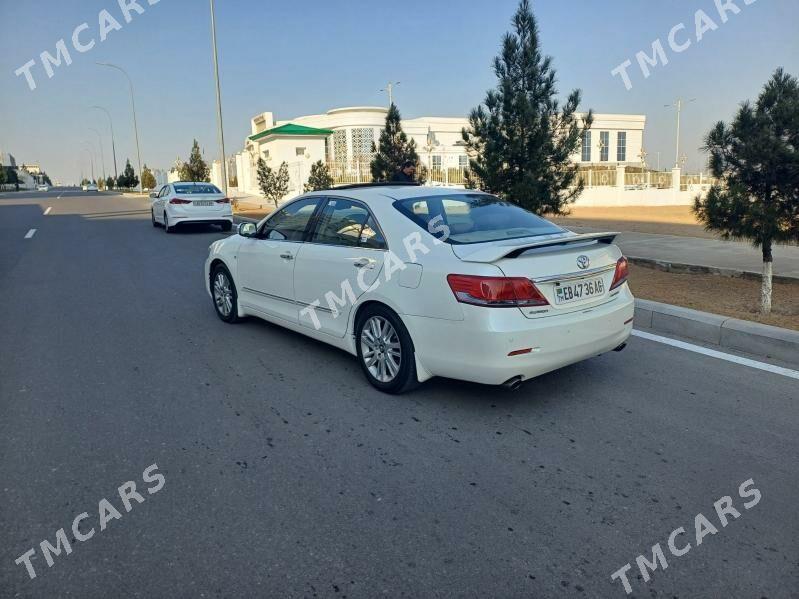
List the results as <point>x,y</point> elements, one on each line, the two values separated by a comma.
<point>344,138</point>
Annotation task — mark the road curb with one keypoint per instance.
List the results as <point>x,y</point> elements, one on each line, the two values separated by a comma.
<point>731,333</point>
<point>696,269</point>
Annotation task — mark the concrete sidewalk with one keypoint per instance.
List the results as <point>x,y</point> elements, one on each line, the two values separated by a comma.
<point>733,255</point>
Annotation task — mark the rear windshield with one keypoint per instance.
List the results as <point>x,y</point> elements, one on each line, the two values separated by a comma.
<point>189,188</point>
<point>474,218</point>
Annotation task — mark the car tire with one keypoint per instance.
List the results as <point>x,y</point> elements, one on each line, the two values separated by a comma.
<point>225,297</point>
<point>167,228</point>
<point>390,362</point>
<point>152,216</point>
<point>228,226</point>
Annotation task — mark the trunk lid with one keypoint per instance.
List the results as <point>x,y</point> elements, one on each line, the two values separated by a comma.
<point>573,272</point>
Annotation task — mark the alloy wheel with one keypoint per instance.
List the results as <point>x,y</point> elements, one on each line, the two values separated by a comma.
<point>381,349</point>
<point>223,294</point>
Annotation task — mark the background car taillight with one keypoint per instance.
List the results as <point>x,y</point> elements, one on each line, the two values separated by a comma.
<point>179,201</point>
<point>621,274</point>
<point>223,201</point>
<point>497,292</point>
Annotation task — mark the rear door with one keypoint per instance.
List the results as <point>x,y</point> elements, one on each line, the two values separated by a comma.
<point>341,260</point>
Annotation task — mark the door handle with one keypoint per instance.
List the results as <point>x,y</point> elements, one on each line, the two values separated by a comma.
<point>287,256</point>
<point>362,263</point>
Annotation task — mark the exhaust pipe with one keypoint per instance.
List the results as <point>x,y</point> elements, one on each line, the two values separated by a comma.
<point>621,347</point>
<point>513,384</point>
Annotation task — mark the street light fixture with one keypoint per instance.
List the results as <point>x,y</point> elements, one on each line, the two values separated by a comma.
<point>218,100</point>
<point>113,143</point>
<point>389,89</point>
<point>133,105</point>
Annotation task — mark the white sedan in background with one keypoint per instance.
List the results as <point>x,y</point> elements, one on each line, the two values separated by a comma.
<point>420,282</point>
<point>42,187</point>
<point>190,202</point>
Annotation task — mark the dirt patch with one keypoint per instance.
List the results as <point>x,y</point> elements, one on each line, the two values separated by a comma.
<point>659,220</point>
<point>733,297</point>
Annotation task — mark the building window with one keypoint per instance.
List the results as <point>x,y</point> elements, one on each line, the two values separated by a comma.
<point>340,146</point>
<point>621,146</point>
<point>463,161</point>
<point>363,138</point>
<point>604,146</point>
<point>586,157</point>
<point>436,162</point>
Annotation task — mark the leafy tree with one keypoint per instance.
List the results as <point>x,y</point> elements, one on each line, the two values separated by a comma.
<point>394,148</point>
<point>274,186</point>
<point>196,169</point>
<point>46,180</point>
<point>756,158</point>
<point>109,183</point>
<point>319,178</point>
<point>520,141</point>
<point>147,178</point>
<point>84,181</point>
<point>2,174</point>
<point>128,178</point>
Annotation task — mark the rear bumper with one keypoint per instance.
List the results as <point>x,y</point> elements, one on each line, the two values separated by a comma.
<point>208,220</point>
<point>476,349</point>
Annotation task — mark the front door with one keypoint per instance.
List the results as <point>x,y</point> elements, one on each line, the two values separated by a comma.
<point>266,262</point>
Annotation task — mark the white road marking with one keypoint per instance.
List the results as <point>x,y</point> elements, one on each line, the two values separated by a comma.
<point>30,233</point>
<point>792,374</point>
<point>46,212</point>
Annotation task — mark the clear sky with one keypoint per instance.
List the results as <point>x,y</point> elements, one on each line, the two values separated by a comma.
<point>296,58</point>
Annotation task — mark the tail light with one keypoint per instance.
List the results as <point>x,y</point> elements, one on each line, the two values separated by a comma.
<point>179,201</point>
<point>497,292</point>
<point>621,274</point>
<point>223,201</point>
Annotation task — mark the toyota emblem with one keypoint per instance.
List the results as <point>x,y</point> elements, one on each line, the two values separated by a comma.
<point>583,261</point>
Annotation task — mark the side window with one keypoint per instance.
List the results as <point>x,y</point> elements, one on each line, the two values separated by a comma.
<point>289,223</point>
<point>350,224</point>
<point>164,191</point>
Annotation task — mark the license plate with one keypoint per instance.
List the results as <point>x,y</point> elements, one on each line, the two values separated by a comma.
<point>202,203</point>
<point>566,293</point>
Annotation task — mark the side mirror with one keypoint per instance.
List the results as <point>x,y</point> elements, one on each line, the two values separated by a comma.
<point>153,195</point>
<point>247,230</point>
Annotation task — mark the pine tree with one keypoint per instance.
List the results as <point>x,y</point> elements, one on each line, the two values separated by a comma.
<point>147,178</point>
<point>128,178</point>
<point>196,169</point>
<point>109,182</point>
<point>282,179</point>
<point>520,141</point>
<point>265,178</point>
<point>2,175</point>
<point>319,178</point>
<point>756,158</point>
<point>394,148</point>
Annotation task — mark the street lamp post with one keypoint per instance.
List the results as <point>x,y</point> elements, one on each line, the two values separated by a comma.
<point>679,104</point>
<point>218,100</point>
<point>133,105</point>
<point>102,153</point>
<point>113,143</point>
<point>389,89</point>
<point>90,151</point>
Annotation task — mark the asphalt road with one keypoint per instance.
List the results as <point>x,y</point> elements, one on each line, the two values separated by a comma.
<point>286,475</point>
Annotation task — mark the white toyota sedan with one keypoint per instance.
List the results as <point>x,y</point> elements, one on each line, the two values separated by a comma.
<point>190,202</point>
<point>420,282</point>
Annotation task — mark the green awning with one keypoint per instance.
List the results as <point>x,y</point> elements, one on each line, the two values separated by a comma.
<point>292,129</point>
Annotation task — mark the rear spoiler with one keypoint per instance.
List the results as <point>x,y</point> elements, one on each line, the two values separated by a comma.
<point>492,253</point>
